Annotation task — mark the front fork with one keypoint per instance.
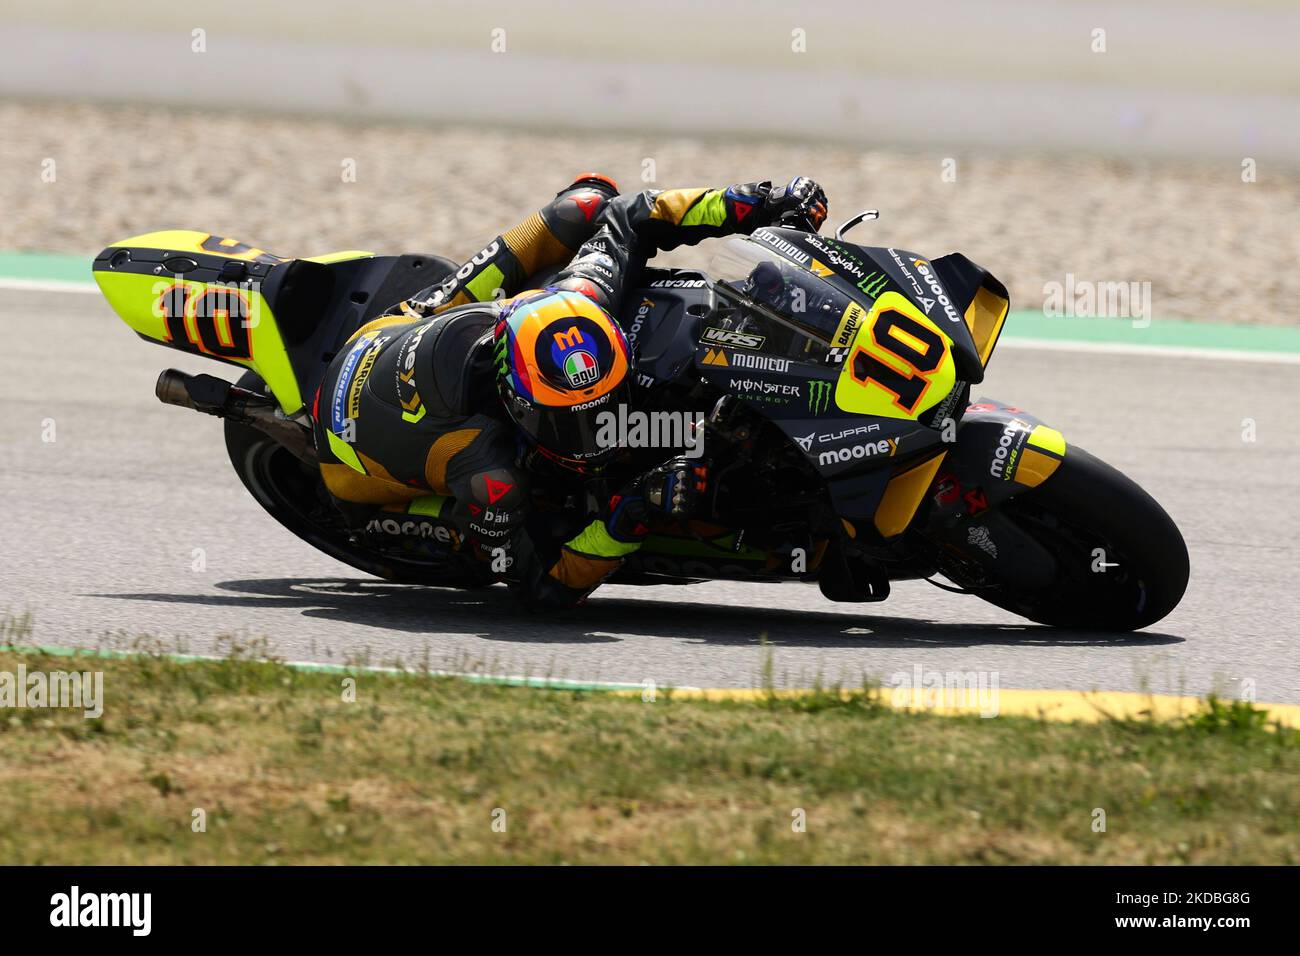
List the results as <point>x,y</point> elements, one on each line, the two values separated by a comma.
<point>1001,452</point>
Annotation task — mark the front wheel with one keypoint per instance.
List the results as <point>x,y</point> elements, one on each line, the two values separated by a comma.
<point>1121,561</point>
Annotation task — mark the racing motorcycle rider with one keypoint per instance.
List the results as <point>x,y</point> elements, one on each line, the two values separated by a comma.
<point>450,404</point>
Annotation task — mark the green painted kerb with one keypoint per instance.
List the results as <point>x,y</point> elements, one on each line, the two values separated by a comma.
<point>1162,332</point>
<point>46,266</point>
<point>542,683</point>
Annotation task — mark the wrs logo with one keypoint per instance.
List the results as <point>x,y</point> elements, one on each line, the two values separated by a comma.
<point>819,397</point>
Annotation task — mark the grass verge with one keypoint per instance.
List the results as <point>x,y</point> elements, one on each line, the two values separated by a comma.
<point>421,769</point>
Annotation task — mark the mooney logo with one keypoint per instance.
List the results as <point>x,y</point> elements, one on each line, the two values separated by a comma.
<point>923,268</point>
<point>1007,453</point>
<point>413,529</point>
<point>886,446</point>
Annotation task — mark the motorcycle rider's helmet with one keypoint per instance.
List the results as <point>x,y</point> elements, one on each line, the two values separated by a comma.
<point>560,362</point>
<point>766,284</point>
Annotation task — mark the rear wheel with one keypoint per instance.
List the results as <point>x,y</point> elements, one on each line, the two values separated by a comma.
<point>1121,561</point>
<point>293,494</point>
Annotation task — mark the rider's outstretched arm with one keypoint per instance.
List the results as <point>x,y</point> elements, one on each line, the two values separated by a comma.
<point>547,238</point>
<point>635,226</point>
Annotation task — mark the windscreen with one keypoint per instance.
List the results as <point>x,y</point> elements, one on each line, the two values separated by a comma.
<point>760,293</point>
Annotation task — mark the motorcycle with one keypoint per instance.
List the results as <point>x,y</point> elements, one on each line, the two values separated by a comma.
<point>826,382</point>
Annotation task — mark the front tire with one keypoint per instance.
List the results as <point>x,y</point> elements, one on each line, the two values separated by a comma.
<point>1088,505</point>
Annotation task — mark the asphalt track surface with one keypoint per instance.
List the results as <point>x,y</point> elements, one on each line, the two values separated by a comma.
<point>101,526</point>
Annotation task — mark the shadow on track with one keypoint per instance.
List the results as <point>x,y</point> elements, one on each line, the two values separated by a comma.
<point>492,615</point>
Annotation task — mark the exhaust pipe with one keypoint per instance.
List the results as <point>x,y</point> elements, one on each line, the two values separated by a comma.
<point>215,396</point>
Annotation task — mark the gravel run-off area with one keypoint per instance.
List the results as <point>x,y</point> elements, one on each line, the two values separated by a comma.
<point>1212,246</point>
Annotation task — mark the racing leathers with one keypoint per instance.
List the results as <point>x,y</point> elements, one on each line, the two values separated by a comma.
<point>412,435</point>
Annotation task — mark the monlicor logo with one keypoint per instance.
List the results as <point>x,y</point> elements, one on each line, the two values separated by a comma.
<point>103,909</point>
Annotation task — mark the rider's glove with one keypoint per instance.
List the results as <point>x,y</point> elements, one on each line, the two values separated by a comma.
<point>800,203</point>
<point>670,491</point>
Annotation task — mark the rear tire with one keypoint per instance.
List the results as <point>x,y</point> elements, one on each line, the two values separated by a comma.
<point>293,494</point>
<point>1085,505</point>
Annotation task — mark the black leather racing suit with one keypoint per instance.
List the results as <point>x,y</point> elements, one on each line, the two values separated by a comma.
<point>409,427</point>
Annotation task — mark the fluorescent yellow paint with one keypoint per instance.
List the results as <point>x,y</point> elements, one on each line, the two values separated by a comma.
<point>430,505</point>
<point>135,298</point>
<point>344,452</point>
<point>190,240</point>
<point>1048,439</point>
<point>903,496</point>
<point>345,256</point>
<point>872,398</point>
<point>984,317</point>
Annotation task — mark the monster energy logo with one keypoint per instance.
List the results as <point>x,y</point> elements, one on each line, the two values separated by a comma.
<point>819,396</point>
<point>873,284</point>
<point>503,366</point>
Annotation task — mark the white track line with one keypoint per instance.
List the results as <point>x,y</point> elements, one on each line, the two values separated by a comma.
<point>1114,348</point>
<point>1173,351</point>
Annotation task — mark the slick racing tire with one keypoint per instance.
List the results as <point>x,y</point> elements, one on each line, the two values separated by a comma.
<point>1088,505</point>
<point>293,494</point>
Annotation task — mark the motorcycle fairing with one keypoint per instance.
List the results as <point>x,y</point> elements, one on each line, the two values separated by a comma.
<point>984,301</point>
<point>236,303</point>
<point>900,363</point>
<point>1001,451</point>
<point>202,294</point>
<point>865,273</point>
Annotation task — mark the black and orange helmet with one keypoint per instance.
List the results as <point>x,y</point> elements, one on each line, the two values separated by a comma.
<point>561,361</point>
